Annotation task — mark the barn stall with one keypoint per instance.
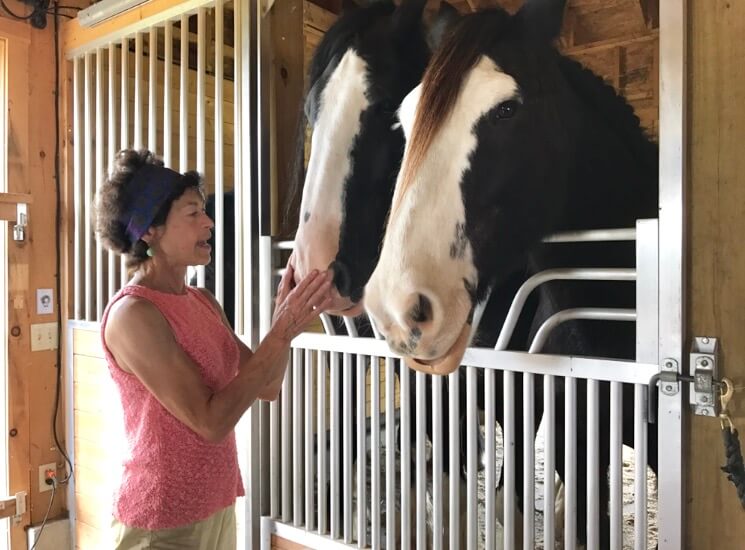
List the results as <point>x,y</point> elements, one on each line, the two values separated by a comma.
<point>193,80</point>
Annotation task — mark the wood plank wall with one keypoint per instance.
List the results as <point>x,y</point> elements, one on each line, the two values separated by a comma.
<point>716,267</point>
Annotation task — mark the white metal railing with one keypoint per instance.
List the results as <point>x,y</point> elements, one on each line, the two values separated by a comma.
<point>438,519</point>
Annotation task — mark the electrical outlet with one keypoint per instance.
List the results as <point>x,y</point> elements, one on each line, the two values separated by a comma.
<point>44,336</point>
<point>43,469</point>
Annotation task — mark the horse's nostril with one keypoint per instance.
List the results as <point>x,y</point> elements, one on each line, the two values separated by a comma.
<point>422,310</point>
<point>342,278</point>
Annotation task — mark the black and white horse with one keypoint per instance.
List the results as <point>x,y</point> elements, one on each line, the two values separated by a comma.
<point>509,141</point>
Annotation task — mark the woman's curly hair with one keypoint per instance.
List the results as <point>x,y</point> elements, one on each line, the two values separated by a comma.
<point>114,201</point>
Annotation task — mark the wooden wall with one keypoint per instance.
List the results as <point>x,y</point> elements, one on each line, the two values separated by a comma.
<point>32,263</point>
<point>716,270</point>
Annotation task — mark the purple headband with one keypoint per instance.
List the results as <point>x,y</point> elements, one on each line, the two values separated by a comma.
<point>151,185</point>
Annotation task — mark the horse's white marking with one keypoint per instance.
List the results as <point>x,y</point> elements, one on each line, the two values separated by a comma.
<point>338,123</point>
<point>415,256</point>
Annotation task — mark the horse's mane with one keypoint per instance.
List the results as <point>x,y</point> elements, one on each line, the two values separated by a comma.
<point>612,107</point>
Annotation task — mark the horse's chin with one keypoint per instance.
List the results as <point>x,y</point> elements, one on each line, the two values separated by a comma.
<point>447,363</point>
<point>345,308</point>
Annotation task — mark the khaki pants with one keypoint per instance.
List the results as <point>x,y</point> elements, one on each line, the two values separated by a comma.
<point>217,532</point>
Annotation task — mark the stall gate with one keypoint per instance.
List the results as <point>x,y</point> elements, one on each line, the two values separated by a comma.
<point>190,83</point>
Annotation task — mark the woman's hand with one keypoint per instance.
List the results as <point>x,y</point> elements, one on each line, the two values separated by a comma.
<point>297,306</point>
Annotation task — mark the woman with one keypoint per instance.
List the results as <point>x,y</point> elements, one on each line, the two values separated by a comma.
<point>184,377</point>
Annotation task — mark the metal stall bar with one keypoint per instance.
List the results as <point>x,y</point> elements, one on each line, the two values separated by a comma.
<point>201,145</point>
<point>347,445</point>
<point>647,350</point>
<point>152,89</point>
<point>88,185</point>
<point>616,467</point>
<point>309,451</point>
<point>549,464</point>
<point>490,474</point>
<point>375,451</point>
<point>138,92</point>
<point>437,471</point>
<point>390,456</point>
<point>323,461</point>
<point>454,526</point>
<point>405,443</point>
<point>78,114</point>
<point>100,167</point>
<point>593,464</point>
<point>124,126</point>
<point>570,463</point>
<point>183,164</point>
<point>219,230</point>
<point>509,460</point>
<point>167,95</point>
<point>298,449</point>
<point>335,423</point>
<point>528,461</point>
<point>471,460</point>
<point>361,457</point>
<point>420,473</point>
<point>112,146</point>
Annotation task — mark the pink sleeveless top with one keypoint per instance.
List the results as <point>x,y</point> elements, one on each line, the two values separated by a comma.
<point>172,476</point>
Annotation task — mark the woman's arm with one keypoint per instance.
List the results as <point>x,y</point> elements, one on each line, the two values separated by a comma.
<point>142,343</point>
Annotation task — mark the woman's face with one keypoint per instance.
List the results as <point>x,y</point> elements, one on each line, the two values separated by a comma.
<point>182,240</point>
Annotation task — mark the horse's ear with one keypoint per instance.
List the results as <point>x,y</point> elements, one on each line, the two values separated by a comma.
<point>543,17</point>
<point>409,13</point>
<point>446,17</point>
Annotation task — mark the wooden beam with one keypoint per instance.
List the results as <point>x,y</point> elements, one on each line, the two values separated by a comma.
<point>7,507</point>
<point>76,38</point>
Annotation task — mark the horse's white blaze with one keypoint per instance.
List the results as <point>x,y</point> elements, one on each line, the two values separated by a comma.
<point>342,101</point>
<point>416,252</point>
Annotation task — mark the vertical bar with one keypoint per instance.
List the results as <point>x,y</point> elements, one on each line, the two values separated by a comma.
<point>322,452</point>
<point>437,450</point>
<point>405,453</point>
<point>647,350</point>
<point>616,467</point>
<point>421,473</point>
<point>201,144</point>
<point>219,230</point>
<point>390,455</point>
<point>335,450</point>
<point>471,460</point>
<point>454,525</point>
<point>593,464</point>
<point>347,449</point>
<point>287,416</point>
<point>124,123</point>
<point>167,95</point>
<point>490,478</point>
<point>361,455</point>
<point>297,446</point>
<point>88,170</point>
<point>184,97</point>
<point>112,146</point>
<point>309,454</point>
<point>78,187</point>
<point>100,167</point>
<point>138,92</point>
<point>672,239</point>
<point>152,88</point>
<point>570,463</point>
<point>528,461</point>
<point>509,460</point>
<point>549,466</point>
<point>640,468</point>
<point>375,450</point>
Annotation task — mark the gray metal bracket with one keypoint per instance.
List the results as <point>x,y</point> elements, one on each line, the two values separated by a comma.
<point>704,369</point>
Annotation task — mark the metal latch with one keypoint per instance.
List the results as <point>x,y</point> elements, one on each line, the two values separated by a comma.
<point>704,368</point>
<point>19,229</point>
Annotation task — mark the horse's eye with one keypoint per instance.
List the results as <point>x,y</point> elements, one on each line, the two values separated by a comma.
<point>506,109</point>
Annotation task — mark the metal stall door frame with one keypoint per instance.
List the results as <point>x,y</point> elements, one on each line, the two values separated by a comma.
<point>663,349</point>
<point>94,145</point>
